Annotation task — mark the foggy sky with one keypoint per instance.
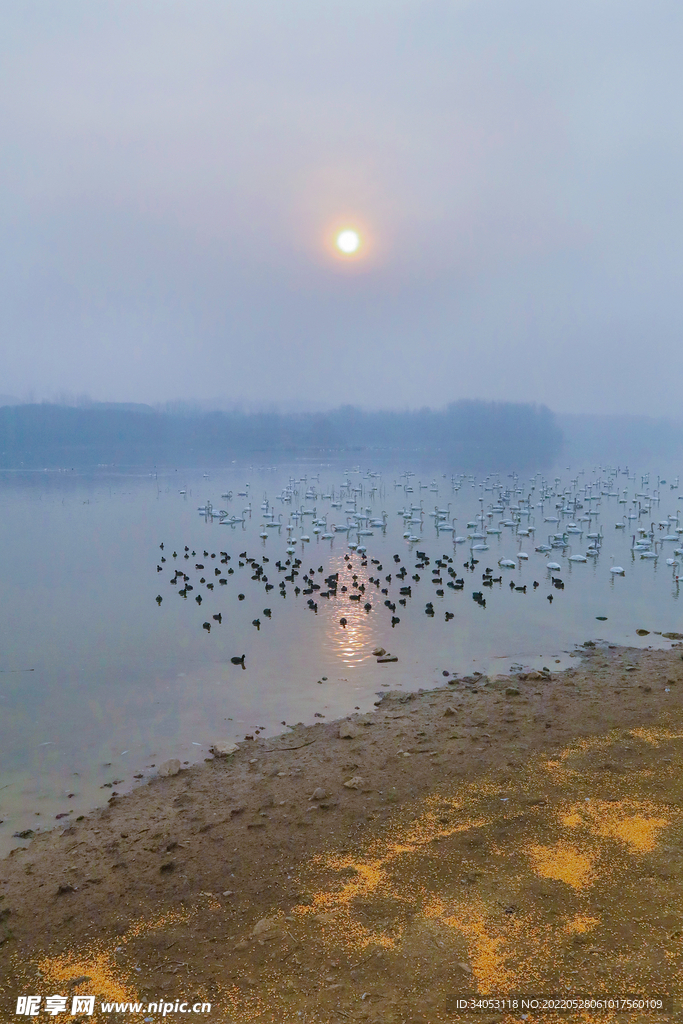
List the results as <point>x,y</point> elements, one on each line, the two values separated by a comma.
<point>172,172</point>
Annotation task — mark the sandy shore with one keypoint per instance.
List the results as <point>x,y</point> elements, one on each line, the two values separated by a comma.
<point>496,836</point>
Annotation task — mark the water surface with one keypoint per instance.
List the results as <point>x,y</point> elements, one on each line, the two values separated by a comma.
<point>99,682</point>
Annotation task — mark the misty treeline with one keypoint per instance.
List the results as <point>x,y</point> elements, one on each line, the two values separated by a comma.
<point>465,436</point>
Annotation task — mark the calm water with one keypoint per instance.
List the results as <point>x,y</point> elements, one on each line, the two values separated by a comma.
<point>99,682</point>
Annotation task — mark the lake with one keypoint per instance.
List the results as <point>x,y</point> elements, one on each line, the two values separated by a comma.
<point>101,682</point>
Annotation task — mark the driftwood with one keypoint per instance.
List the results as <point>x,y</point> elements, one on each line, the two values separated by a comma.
<point>275,750</point>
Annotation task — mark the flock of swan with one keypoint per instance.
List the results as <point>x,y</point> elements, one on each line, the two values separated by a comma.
<point>477,515</point>
<point>573,512</point>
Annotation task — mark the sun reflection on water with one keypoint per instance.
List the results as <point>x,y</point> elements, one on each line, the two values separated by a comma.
<point>350,643</point>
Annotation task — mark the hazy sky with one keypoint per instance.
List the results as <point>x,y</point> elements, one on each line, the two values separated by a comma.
<point>173,174</point>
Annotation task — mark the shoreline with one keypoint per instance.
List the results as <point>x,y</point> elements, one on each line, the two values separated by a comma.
<point>138,772</point>
<point>273,833</point>
<point>104,777</point>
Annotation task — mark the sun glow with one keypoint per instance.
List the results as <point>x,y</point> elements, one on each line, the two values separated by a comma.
<point>348,241</point>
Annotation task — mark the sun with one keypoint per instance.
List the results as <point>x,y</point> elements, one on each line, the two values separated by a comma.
<point>348,241</point>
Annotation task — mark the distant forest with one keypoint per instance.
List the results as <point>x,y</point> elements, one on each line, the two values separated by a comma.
<point>465,436</point>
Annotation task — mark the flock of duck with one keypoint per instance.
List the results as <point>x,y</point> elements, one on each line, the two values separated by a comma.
<point>510,512</point>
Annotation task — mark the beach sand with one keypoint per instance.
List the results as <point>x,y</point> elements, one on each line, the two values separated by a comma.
<point>490,839</point>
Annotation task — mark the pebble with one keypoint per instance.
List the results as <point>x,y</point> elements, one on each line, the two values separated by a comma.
<point>318,794</point>
<point>224,748</point>
<point>348,731</point>
<point>355,783</point>
<point>449,712</point>
<point>266,926</point>
<point>171,767</point>
<point>511,691</point>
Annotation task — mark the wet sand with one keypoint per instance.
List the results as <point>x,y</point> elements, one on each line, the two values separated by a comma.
<point>516,835</point>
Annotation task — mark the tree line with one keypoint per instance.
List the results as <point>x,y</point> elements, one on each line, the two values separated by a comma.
<point>467,435</point>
